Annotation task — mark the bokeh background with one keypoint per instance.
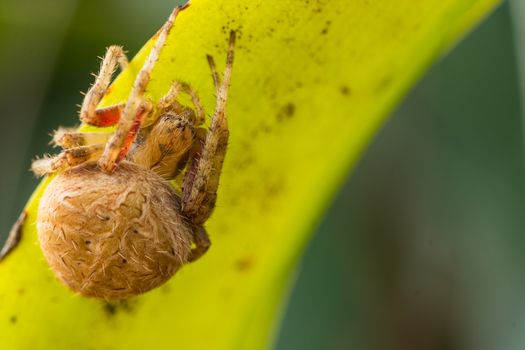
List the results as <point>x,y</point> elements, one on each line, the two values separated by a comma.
<point>424,246</point>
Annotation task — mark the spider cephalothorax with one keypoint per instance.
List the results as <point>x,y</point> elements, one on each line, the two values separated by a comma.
<point>109,223</point>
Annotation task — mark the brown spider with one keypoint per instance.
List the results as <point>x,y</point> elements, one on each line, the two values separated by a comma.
<point>109,224</point>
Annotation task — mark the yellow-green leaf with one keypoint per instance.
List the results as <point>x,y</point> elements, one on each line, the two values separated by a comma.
<point>312,81</point>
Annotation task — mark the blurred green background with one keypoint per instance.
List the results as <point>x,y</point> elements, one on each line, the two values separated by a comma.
<point>423,248</point>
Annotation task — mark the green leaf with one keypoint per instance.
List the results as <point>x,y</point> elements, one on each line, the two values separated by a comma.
<point>312,82</point>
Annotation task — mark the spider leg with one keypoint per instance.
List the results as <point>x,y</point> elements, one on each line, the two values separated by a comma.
<point>88,114</point>
<point>106,116</point>
<point>116,149</point>
<point>193,154</point>
<point>202,244</point>
<point>202,178</point>
<point>14,237</point>
<point>169,102</point>
<point>69,138</point>
<point>66,159</point>
<point>144,109</point>
<point>214,73</point>
<point>199,109</point>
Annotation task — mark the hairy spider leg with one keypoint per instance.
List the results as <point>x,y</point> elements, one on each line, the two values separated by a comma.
<point>142,112</point>
<point>14,236</point>
<point>202,244</point>
<point>202,179</point>
<point>169,101</point>
<point>110,115</point>
<point>214,74</point>
<point>79,147</point>
<point>69,138</point>
<point>199,109</point>
<point>67,159</point>
<point>107,116</point>
<point>119,143</point>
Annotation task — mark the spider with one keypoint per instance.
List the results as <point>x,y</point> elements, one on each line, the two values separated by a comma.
<point>109,223</point>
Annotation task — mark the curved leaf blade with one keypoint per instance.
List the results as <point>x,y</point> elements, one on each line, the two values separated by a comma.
<point>312,82</point>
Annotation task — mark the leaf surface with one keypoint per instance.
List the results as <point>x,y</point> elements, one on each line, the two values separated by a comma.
<point>312,82</point>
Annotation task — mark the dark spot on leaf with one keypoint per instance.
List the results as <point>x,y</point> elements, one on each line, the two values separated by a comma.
<point>165,289</point>
<point>112,308</point>
<point>13,319</point>
<point>274,189</point>
<point>325,29</point>
<point>244,162</point>
<point>286,112</point>
<point>244,264</point>
<point>345,90</point>
<point>124,261</point>
<point>385,82</point>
